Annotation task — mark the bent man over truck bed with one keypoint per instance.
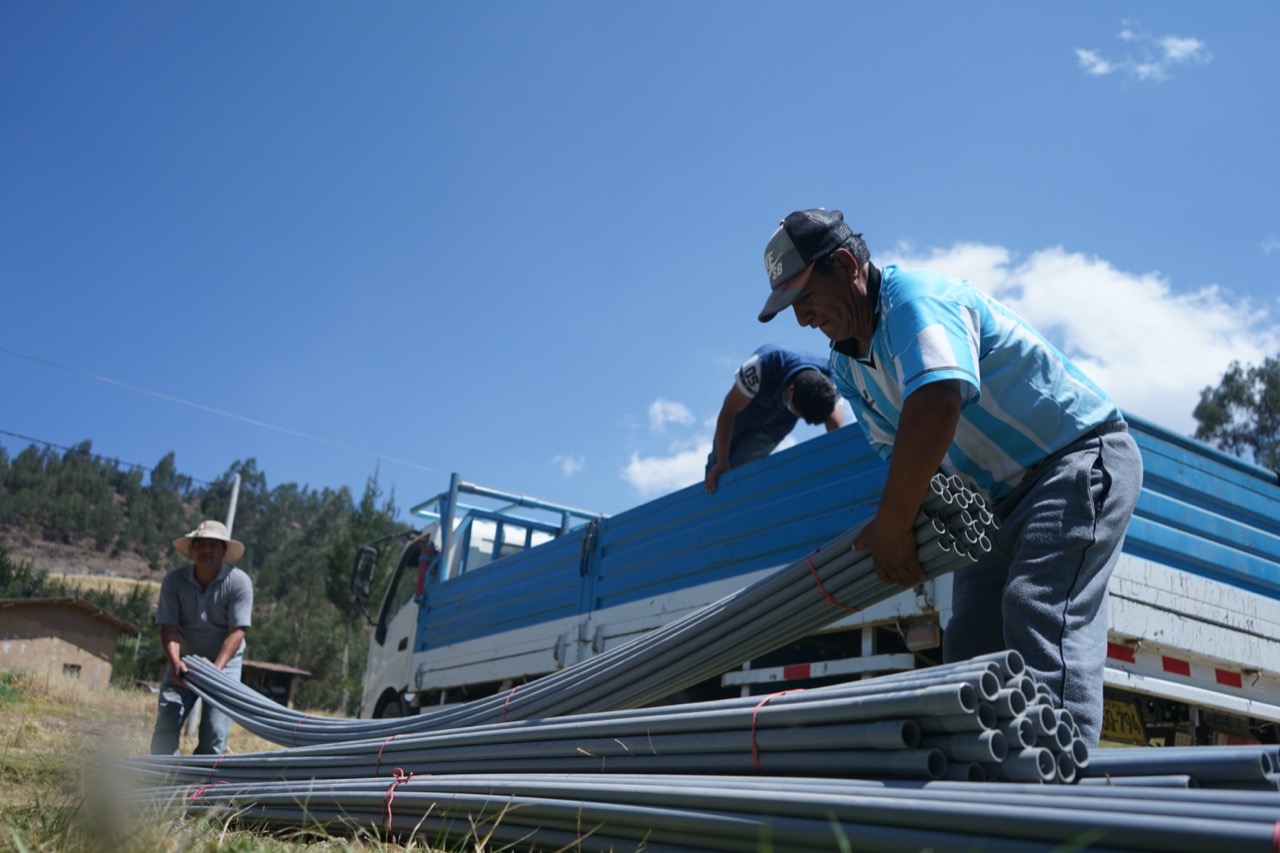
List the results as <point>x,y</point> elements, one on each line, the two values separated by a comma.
<point>772,390</point>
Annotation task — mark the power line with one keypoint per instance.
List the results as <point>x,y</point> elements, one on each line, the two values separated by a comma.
<point>220,412</point>
<point>66,449</point>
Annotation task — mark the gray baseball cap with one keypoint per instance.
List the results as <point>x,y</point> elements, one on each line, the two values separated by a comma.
<point>801,238</point>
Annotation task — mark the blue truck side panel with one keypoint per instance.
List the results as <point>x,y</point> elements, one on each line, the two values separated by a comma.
<point>1200,511</point>
<point>1205,512</point>
<point>537,585</point>
<point>763,515</point>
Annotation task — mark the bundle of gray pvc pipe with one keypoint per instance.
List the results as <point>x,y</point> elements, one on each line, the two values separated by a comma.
<point>1237,767</point>
<point>901,762</point>
<point>668,813</point>
<point>952,530</point>
<point>972,720</point>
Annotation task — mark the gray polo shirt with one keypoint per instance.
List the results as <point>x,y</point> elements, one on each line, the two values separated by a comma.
<point>205,617</point>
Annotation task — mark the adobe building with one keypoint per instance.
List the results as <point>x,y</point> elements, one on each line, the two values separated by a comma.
<point>60,638</point>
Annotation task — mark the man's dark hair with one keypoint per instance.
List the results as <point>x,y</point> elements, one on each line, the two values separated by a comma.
<point>856,246</point>
<point>813,396</point>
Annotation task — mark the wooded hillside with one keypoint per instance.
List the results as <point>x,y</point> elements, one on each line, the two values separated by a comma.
<point>77,508</point>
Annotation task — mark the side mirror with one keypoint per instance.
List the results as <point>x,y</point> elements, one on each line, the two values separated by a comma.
<point>362,572</point>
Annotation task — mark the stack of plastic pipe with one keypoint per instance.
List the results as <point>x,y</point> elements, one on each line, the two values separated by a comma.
<point>855,729</point>
<point>1239,767</point>
<point>965,721</point>
<point>715,813</point>
<point>952,530</point>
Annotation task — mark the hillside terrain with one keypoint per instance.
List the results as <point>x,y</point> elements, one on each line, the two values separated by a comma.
<point>74,559</point>
<point>74,523</point>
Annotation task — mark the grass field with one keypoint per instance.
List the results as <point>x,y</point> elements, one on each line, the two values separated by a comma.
<point>118,586</point>
<point>57,743</point>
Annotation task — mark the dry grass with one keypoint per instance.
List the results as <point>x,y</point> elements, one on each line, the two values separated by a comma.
<point>117,586</point>
<point>58,740</point>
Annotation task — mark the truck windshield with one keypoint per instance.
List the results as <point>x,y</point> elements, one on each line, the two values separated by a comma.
<point>489,540</point>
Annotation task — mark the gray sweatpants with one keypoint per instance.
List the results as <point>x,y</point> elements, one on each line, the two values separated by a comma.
<point>1042,590</point>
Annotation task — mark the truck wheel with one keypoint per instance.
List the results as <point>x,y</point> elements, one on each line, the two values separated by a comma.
<point>392,706</point>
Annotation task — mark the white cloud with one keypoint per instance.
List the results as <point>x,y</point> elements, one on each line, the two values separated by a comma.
<point>1150,348</point>
<point>1270,244</point>
<point>1183,50</point>
<point>658,475</point>
<point>571,464</point>
<point>663,412</point>
<point>1093,63</point>
<point>1151,57</point>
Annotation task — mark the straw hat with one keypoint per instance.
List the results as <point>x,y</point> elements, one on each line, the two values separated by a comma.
<point>211,530</point>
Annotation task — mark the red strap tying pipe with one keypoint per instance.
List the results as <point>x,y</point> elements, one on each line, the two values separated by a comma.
<point>214,767</point>
<point>400,778</point>
<point>294,734</point>
<point>822,589</point>
<point>378,763</point>
<point>198,791</point>
<point>755,752</point>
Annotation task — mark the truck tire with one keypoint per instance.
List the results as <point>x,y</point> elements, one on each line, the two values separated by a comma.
<point>391,706</point>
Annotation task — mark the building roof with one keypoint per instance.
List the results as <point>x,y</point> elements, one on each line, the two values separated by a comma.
<point>72,601</point>
<point>273,667</point>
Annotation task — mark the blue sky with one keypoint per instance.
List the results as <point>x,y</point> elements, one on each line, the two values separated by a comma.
<point>522,241</point>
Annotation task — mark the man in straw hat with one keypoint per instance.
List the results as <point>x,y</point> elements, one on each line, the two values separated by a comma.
<point>204,609</point>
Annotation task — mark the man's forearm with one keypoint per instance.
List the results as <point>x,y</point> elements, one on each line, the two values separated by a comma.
<point>230,646</point>
<point>171,643</point>
<point>925,430</point>
<point>724,434</point>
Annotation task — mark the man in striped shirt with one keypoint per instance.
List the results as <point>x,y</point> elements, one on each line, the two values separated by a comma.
<point>943,377</point>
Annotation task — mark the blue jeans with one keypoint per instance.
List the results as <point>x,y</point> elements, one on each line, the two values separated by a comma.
<point>747,447</point>
<point>1042,590</point>
<point>176,704</point>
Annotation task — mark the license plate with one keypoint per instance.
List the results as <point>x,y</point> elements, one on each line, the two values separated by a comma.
<point>1122,722</point>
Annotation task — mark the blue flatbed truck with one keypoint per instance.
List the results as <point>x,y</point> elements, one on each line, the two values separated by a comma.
<point>497,589</point>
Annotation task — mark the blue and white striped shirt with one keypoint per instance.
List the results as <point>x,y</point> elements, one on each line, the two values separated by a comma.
<point>1024,400</point>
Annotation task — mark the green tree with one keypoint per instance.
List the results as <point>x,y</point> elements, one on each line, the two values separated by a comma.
<point>20,580</point>
<point>251,500</point>
<point>30,489</point>
<point>370,522</point>
<point>6,499</point>
<point>141,533</point>
<point>299,626</point>
<point>169,491</point>
<point>82,497</point>
<point>1242,415</point>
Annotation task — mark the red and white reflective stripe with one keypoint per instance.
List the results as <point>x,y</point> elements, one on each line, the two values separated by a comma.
<point>1175,666</point>
<point>1229,678</point>
<point>1120,652</point>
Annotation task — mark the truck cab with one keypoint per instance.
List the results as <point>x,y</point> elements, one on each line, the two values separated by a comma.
<point>466,528</point>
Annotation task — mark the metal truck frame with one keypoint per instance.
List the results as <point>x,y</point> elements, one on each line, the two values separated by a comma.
<point>497,589</point>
